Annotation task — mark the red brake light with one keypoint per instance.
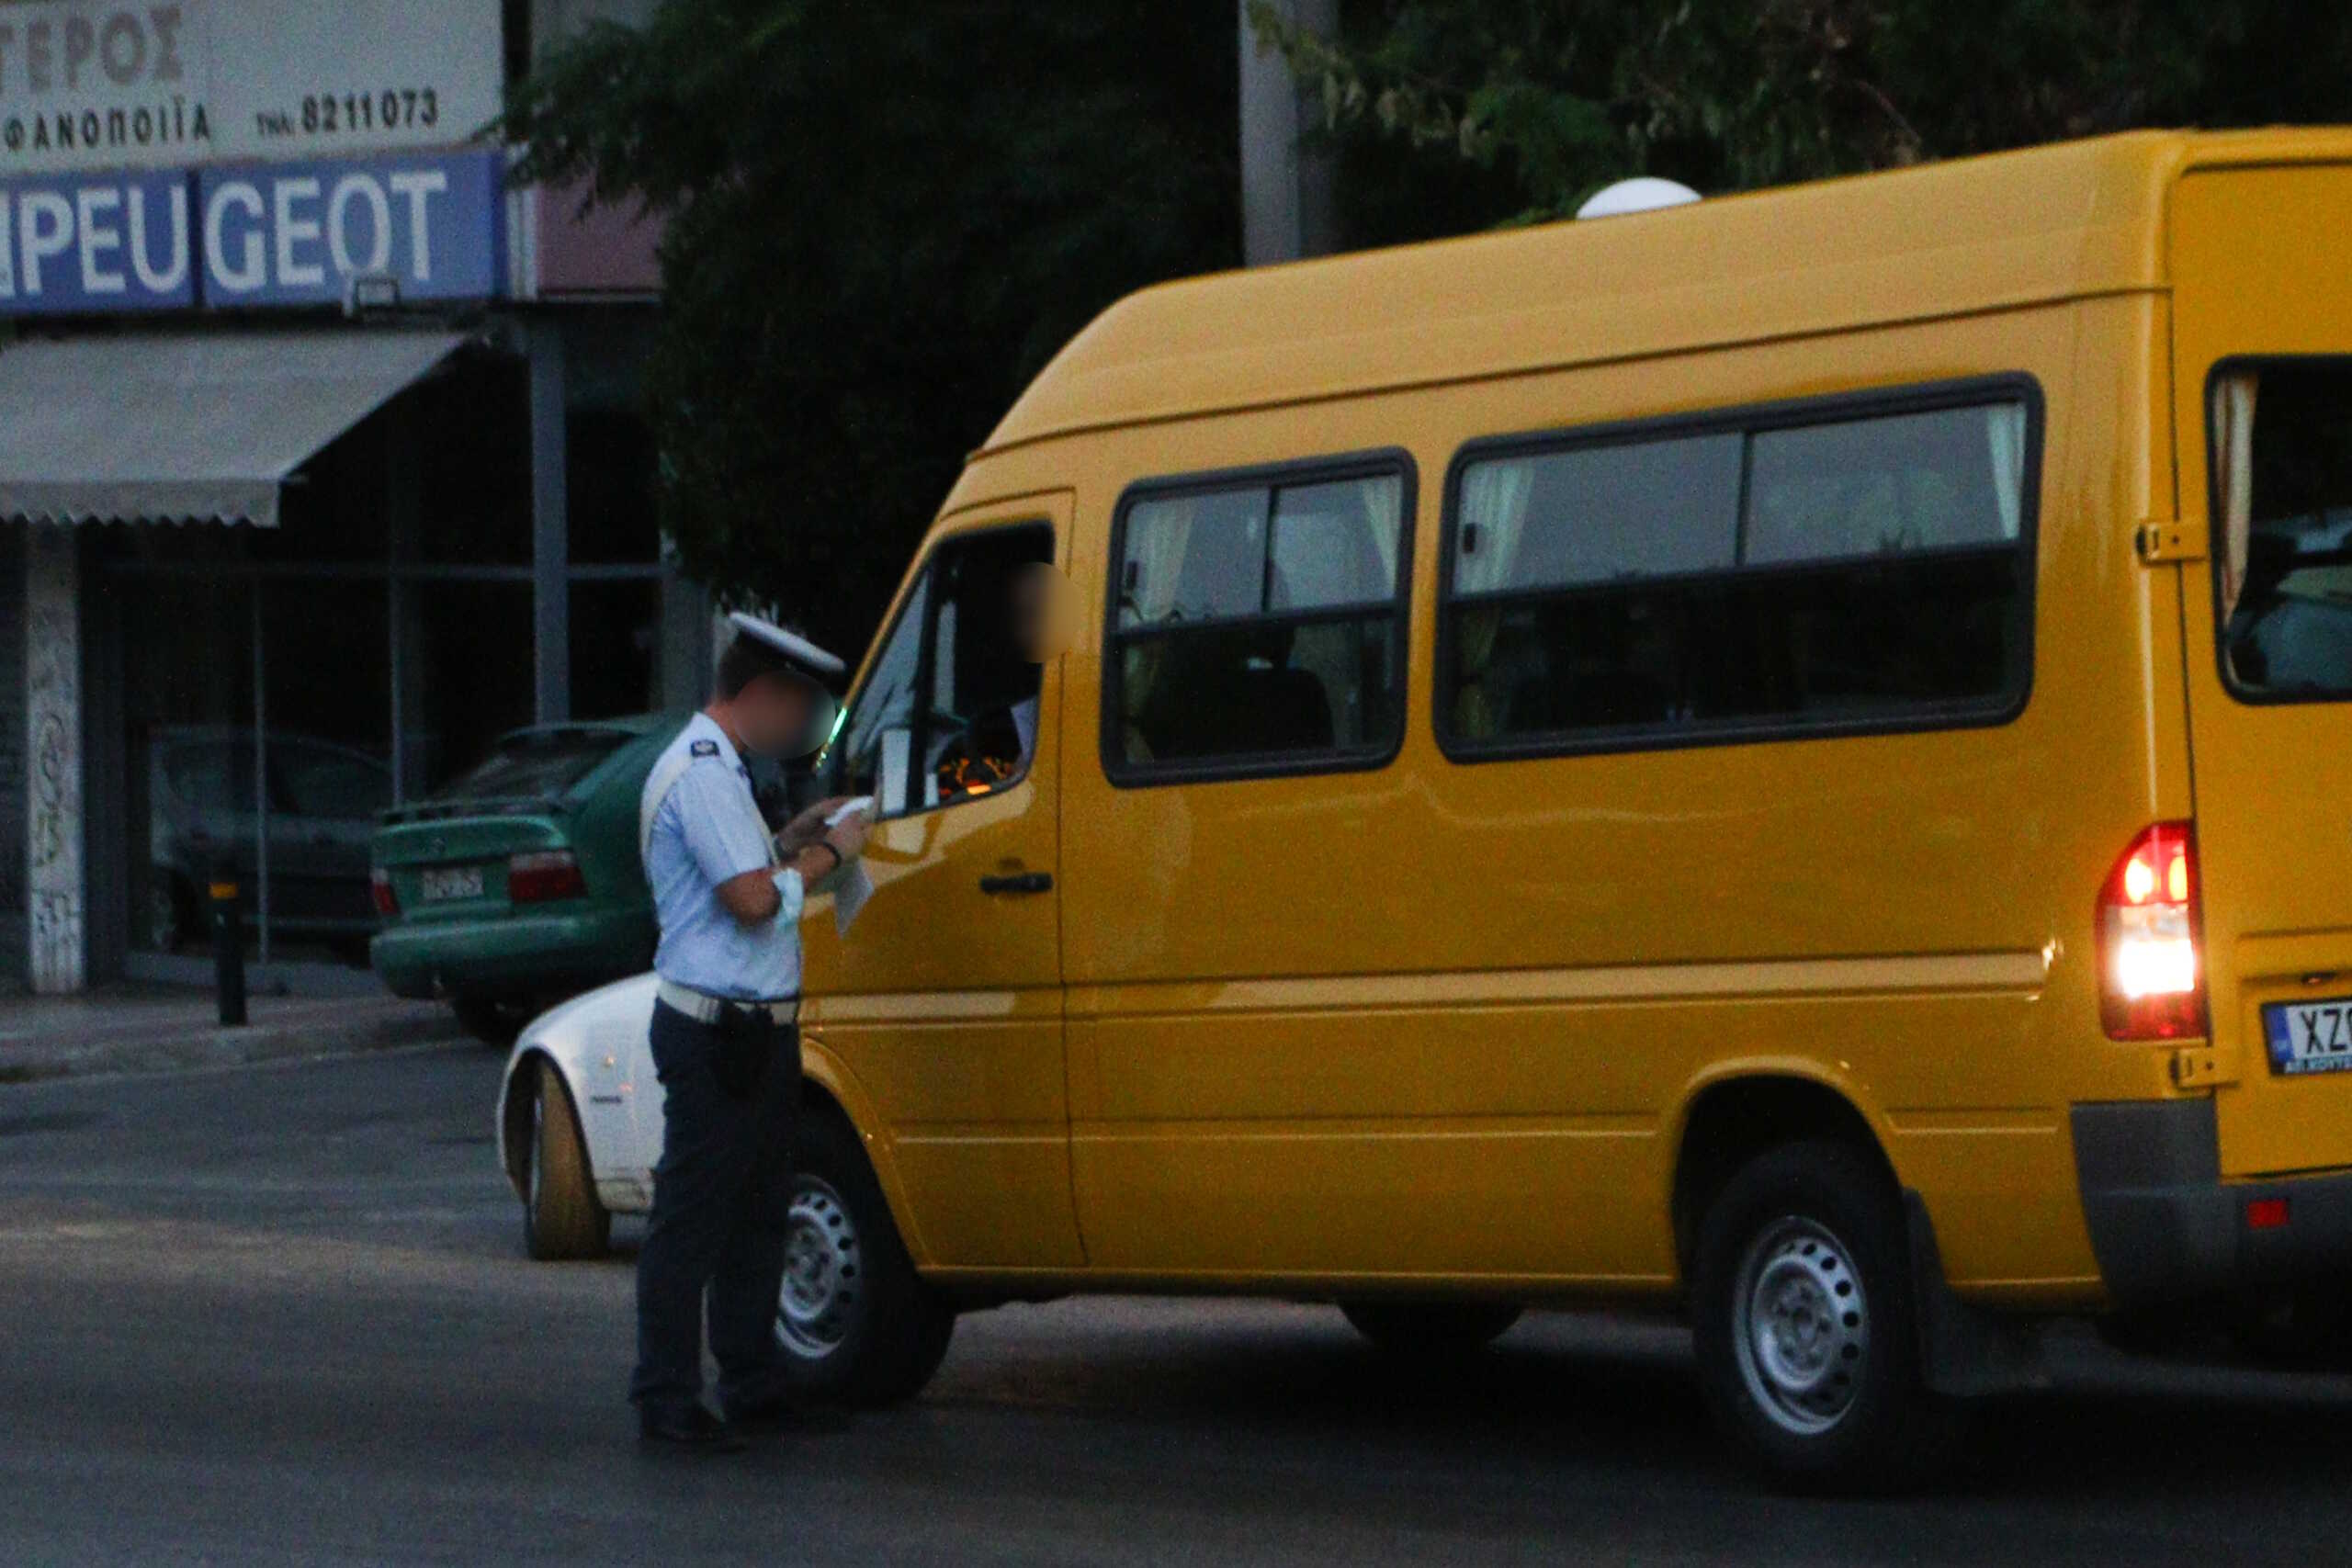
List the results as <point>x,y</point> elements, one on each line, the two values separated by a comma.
<point>544,876</point>
<point>2151,976</point>
<point>380,884</point>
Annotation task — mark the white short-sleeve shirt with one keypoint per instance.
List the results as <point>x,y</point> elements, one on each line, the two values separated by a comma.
<point>707,830</point>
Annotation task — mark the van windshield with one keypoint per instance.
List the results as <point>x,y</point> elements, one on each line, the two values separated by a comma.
<point>2282,454</point>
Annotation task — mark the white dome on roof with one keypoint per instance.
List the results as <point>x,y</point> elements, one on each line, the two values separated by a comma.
<point>1644,194</point>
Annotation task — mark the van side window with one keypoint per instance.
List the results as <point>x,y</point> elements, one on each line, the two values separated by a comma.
<point>1781,575</point>
<point>949,709</point>
<point>1257,626</point>
<point>2282,475</point>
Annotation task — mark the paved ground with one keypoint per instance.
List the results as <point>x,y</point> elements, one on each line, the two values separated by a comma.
<point>134,1027</point>
<point>278,1315</point>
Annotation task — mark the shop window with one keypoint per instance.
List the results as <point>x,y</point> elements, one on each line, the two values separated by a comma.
<point>469,675</point>
<point>616,648</point>
<point>615,512</point>
<point>472,430</point>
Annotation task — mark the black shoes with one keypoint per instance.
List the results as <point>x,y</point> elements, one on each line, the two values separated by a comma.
<point>693,1429</point>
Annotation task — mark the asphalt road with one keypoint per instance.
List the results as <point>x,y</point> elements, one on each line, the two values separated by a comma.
<point>280,1314</point>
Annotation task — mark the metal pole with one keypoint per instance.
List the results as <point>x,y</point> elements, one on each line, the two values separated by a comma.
<point>550,523</point>
<point>261,781</point>
<point>228,943</point>
<point>1287,207</point>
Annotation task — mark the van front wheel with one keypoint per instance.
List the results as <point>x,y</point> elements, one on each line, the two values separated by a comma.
<point>1426,1328</point>
<point>1805,1324</point>
<point>856,1322</point>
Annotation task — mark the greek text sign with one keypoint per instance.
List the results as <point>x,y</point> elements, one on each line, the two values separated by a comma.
<point>298,233</point>
<point>111,84</point>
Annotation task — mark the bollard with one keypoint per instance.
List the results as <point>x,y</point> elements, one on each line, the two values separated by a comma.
<point>228,950</point>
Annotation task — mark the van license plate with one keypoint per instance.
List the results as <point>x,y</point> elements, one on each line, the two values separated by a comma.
<point>458,882</point>
<point>2309,1037</point>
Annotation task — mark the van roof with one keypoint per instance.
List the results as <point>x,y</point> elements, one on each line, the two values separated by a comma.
<point>2063,222</point>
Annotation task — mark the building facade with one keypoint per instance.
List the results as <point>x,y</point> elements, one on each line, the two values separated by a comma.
<point>322,460</point>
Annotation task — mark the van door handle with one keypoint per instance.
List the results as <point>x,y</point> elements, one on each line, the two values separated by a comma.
<point>1026,882</point>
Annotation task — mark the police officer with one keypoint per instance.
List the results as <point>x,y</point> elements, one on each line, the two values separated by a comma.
<point>726,1039</point>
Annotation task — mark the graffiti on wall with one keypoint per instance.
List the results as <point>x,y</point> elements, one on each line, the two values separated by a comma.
<point>54,717</point>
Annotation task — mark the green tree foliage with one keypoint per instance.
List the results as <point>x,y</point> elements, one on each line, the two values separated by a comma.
<point>1541,101</point>
<point>883,219</point>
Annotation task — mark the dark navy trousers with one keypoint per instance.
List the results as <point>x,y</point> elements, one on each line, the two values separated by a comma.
<point>722,1197</point>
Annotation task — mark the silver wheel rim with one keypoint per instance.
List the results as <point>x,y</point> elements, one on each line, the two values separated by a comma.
<point>823,1274</point>
<point>1801,1327</point>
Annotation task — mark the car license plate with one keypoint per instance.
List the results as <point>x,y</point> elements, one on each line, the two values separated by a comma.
<point>2309,1037</point>
<point>455,882</point>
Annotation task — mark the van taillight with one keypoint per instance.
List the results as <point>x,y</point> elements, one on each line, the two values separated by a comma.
<point>544,876</point>
<point>388,903</point>
<point>2152,977</point>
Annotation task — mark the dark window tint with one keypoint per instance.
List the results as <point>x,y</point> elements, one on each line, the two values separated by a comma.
<point>537,763</point>
<point>1599,513</point>
<point>1922,481</point>
<point>1258,623</point>
<point>2283,467</point>
<point>1878,575</point>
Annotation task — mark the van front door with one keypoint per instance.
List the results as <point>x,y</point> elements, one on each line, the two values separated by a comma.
<point>2263,407</point>
<point>944,1000</point>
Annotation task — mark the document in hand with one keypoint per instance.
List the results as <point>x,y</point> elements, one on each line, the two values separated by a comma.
<point>851,887</point>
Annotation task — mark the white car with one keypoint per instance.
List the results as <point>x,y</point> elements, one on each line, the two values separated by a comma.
<point>580,1132</point>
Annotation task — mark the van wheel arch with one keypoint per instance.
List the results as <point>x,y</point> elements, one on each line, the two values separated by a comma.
<point>1732,1122</point>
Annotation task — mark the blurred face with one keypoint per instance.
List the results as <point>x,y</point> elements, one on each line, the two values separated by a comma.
<point>1042,609</point>
<point>773,716</point>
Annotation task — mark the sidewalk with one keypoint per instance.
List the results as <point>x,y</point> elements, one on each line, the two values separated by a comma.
<point>138,1028</point>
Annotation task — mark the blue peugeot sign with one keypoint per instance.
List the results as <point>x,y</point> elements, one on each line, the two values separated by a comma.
<point>431,226</point>
<point>89,244</point>
<point>298,234</point>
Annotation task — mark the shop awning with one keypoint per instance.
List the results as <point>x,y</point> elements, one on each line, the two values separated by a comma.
<point>187,428</point>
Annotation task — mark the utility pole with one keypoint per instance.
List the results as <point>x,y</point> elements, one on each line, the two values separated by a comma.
<point>1286,187</point>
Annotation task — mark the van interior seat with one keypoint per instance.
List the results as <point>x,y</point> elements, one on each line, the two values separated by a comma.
<point>1239,695</point>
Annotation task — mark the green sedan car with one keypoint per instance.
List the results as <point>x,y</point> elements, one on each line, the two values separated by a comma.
<point>519,885</point>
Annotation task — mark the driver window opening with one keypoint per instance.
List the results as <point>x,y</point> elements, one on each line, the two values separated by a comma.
<point>950,712</point>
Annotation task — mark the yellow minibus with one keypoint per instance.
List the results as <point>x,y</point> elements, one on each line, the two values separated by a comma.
<point>1770,757</point>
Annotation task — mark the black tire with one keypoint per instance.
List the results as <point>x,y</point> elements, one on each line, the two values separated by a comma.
<point>1833,1401</point>
<point>490,1019</point>
<point>562,1217</point>
<point>857,1323</point>
<point>1431,1328</point>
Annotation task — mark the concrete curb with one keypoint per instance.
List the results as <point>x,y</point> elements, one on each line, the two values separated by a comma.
<point>375,1029</point>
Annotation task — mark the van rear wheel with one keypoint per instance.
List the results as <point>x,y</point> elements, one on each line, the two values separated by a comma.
<point>1806,1328</point>
<point>1426,1328</point>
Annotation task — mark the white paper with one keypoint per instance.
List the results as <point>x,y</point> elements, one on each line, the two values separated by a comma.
<point>897,749</point>
<point>862,802</point>
<point>849,896</point>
